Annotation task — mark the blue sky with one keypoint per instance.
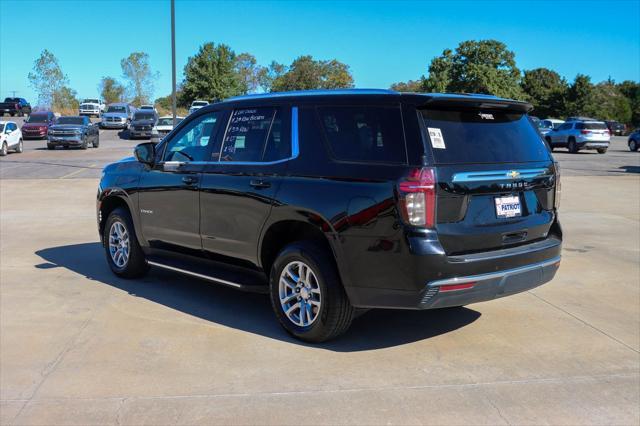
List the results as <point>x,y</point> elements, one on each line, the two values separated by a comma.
<point>383,42</point>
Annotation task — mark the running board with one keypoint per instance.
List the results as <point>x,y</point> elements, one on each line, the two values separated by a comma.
<point>251,282</point>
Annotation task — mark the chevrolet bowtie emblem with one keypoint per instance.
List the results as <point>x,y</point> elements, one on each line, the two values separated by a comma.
<point>513,174</point>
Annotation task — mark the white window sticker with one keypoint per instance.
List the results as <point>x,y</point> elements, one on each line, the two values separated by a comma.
<point>239,144</point>
<point>437,141</point>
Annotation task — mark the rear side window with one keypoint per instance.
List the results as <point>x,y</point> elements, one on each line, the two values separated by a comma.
<point>247,134</point>
<point>369,134</point>
<point>468,136</point>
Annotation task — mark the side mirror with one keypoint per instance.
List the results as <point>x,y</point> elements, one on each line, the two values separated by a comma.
<point>145,153</point>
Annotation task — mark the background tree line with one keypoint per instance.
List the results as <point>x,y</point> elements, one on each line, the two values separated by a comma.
<point>216,72</point>
<point>487,66</point>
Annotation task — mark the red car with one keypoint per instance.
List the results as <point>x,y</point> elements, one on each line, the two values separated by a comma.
<point>37,125</point>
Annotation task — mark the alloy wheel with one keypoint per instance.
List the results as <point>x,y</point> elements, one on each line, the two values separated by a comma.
<point>119,244</point>
<point>300,295</point>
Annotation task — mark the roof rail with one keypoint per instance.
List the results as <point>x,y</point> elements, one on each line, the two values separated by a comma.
<point>318,92</point>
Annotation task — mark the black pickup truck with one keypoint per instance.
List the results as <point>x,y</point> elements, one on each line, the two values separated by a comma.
<point>15,106</point>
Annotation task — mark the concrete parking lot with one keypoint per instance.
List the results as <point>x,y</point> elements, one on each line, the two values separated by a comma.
<point>80,346</point>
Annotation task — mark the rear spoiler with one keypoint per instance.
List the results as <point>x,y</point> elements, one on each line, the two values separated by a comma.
<point>475,102</point>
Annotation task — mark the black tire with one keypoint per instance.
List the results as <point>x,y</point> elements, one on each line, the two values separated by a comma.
<point>573,148</point>
<point>602,150</point>
<point>96,141</point>
<point>13,114</point>
<point>84,143</point>
<point>20,147</point>
<point>136,265</point>
<point>49,146</point>
<point>335,314</point>
<point>4,149</point>
<point>633,145</point>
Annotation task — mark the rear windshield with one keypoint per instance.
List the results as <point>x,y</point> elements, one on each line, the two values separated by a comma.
<point>463,137</point>
<point>591,126</point>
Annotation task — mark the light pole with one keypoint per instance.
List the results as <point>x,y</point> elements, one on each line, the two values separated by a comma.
<point>173,61</point>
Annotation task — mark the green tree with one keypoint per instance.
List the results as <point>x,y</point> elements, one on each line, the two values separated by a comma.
<point>65,100</point>
<point>110,90</point>
<point>270,74</point>
<point>440,73</point>
<point>546,91</point>
<point>484,66</point>
<point>608,103</point>
<point>631,91</point>
<point>212,75</point>
<point>579,96</point>
<point>136,70</point>
<point>249,71</point>
<point>411,86</point>
<point>47,77</point>
<point>305,73</point>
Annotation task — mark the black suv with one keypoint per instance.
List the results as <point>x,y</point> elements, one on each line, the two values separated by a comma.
<point>334,202</point>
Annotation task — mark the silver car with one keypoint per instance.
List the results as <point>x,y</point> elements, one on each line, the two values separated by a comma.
<point>580,135</point>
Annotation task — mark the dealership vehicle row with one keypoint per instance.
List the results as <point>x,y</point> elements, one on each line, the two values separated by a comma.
<point>575,134</point>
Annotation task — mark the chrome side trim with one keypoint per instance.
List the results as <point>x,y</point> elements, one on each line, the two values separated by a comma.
<point>194,274</point>
<point>493,275</point>
<point>514,174</point>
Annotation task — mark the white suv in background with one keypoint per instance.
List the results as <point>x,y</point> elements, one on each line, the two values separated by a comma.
<point>579,135</point>
<point>10,138</point>
<point>196,105</point>
<point>548,124</point>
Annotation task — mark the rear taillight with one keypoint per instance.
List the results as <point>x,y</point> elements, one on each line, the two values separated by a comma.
<point>418,197</point>
<point>585,132</point>
<point>558,189</point>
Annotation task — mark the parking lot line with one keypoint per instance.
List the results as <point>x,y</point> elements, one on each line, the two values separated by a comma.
<point>75,172</point>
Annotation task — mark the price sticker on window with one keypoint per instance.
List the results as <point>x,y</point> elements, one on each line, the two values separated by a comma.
<point>437,140</point>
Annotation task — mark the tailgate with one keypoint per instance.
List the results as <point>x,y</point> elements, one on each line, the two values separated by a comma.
<point>481,208</point>
<point>495,178</point>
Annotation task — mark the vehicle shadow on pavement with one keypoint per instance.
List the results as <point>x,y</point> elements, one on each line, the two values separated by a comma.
<point>630,169</point>
<point>252,312</point>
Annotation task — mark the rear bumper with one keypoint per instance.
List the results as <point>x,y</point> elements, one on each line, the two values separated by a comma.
<point>479,288</point>
<point>593,143</point>
<point>440,281</point>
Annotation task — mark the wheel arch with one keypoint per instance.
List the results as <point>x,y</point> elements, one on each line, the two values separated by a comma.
<point>111,200</point>
<point>279,234</point>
